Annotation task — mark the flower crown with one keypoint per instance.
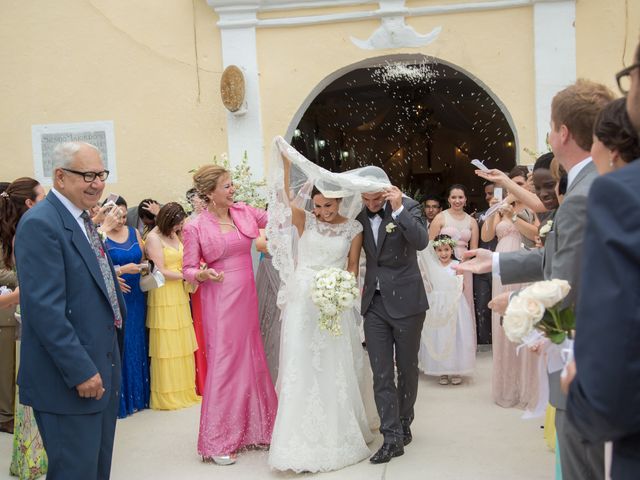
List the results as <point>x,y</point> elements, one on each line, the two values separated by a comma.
<point>445,241</point>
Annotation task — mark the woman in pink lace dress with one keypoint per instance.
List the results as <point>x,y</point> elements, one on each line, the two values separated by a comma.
<point>515,377</point>
<point>239,402</point>
<point>463,228</point>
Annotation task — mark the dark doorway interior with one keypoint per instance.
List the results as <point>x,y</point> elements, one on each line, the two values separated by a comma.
<point>421,121</point>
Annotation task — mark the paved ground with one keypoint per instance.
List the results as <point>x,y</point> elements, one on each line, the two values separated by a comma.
<point>458,434</point>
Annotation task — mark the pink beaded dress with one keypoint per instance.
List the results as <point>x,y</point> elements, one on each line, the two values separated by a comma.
<point>239,401</point>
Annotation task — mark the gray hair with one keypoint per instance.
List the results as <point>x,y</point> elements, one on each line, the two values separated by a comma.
<point>63,153</point>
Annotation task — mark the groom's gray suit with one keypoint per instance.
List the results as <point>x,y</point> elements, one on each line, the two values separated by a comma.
<point>561,258</point>
<point>394,303</point>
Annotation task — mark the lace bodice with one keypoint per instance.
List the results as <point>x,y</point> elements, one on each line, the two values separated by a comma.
<point>323,245</point>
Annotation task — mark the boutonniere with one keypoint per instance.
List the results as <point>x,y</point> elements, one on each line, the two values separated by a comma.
<point>546,228</point>
<point>102,235</point>
<point>390,227</point>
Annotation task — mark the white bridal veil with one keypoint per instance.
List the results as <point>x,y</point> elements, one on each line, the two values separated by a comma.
<point>304,175</point>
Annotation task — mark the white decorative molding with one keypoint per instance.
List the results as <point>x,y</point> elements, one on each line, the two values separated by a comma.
<point>554,58</point>
<point>395,33</point>
<point>388,8</point>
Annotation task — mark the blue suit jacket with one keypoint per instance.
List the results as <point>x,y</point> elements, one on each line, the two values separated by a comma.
<point>604,398</point>
<point>68,332</point>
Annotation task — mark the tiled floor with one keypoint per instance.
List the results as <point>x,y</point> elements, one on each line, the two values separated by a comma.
<point>458,433</point>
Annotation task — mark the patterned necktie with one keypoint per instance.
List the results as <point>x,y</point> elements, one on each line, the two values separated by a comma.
<point>98,249</point>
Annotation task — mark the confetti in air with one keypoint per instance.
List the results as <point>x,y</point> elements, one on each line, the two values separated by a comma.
<point>414,73</point>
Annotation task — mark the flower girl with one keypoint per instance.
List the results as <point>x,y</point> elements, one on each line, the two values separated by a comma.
<point>447,344</point>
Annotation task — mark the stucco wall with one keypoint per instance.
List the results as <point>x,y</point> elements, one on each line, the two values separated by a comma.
<point>134,62</point>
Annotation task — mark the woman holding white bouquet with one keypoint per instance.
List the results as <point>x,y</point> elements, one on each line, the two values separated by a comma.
<point>322,421</point>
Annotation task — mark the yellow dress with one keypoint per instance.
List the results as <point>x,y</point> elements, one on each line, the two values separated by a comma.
<point>172,340</point>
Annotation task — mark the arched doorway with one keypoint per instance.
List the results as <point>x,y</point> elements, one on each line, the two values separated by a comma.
<point>421,119</point>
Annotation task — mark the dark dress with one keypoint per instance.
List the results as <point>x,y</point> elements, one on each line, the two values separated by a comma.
<point>134,393</point>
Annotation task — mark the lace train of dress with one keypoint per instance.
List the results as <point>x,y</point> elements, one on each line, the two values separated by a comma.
<point>321,423</point>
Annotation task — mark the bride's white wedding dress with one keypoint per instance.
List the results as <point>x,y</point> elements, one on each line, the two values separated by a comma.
<point>321,423</point>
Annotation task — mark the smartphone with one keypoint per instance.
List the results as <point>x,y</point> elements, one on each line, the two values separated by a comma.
<point>497,193</point>
<point>111,200</point>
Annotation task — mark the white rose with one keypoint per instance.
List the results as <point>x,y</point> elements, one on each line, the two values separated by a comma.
<point>329,309</point>
<point>346,300</point>
<point>522,314</point>
<point>549,292</point>
<point>546,228</point>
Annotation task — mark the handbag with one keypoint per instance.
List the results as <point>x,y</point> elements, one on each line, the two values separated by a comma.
<point>152,279</point>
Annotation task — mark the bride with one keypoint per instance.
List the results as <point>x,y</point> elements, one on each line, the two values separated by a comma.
<point>322,385</point>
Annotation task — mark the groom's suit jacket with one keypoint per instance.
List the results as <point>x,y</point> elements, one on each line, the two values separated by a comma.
<point>561,256</point>
<point>392,262</point>
<point>604,398</point>
<point>68,332</point>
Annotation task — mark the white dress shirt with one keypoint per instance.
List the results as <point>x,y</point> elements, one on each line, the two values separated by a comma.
<point>376,220</point>
<point>73,210</point>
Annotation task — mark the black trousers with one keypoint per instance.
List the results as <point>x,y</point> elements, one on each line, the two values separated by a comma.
<point>393,340</point>
<point>482,284</point>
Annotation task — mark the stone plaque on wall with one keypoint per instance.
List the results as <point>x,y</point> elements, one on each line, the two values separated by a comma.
<point>45,137</point>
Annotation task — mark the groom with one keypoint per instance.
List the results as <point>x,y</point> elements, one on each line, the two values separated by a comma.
<point>394,304</point>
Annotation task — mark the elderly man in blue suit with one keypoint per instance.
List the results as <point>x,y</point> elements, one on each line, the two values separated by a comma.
<point>71,309</point>
<point>604,396</point>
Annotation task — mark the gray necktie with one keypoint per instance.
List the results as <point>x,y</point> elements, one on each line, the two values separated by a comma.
<point>98,249</point>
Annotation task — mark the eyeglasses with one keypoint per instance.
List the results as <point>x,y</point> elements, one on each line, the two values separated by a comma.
<point>623,77</point>
<point>90,176</point>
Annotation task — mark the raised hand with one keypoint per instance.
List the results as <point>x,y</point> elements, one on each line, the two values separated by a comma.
<point>393,195</point>
<point>151,207</point>
<point>476,261</point>
<point>494,175</point>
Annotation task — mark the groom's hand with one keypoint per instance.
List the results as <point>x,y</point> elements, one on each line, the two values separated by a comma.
<point>481,261</point>
<point>393,195</point>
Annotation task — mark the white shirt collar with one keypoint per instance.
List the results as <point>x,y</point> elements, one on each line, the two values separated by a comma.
<point>73,209</point>
<point>576,169</point>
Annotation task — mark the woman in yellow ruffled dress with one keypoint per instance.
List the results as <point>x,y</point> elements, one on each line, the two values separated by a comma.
<point>172,339</point>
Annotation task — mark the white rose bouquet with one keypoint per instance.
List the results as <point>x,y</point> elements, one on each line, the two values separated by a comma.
<point>538,307</point>
<point>334,291</point>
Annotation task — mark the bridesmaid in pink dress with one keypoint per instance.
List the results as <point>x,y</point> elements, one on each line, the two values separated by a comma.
<point>239,402</point>
<point>514,380</point>
<point>463,228</point>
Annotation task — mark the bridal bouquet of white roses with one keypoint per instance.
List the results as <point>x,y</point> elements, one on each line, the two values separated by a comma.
<point>334,291</point>
<point>538,307</point>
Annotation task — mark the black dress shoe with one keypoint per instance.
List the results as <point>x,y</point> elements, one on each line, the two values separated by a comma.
<point>386,453</point>
<point>406,430</point>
